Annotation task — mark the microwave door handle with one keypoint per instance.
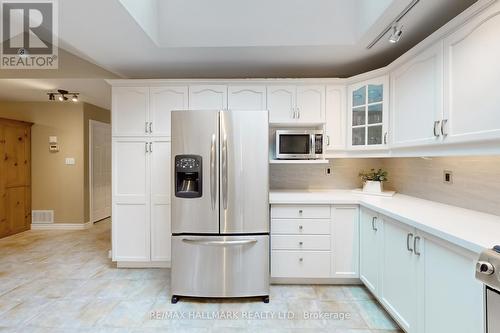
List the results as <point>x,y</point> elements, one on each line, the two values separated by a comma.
<point>312,151</point>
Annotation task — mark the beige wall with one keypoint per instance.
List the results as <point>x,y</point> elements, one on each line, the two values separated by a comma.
<point>56,186</point>
<point>476,180</point>
<point>90,112</point>
<point>309,176</point>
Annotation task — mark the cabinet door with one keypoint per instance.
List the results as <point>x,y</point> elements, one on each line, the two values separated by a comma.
<point>208,97</point>
<point>247,98</point>
<point>452,298</point>
<point>472,76</point>
<point>336,112</point>
<point>368,114</point>
<point>131,228</point>
<point>311,104</point>
<point>130,111</point>
<point>345,242</point>
<point>417,99</point>
<point>399,281</point>
<point>163,101</point>
<point>160,200</point>
<point>370,230</point>
<point>281,104</point>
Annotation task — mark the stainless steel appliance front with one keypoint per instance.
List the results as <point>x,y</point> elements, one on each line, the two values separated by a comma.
<point>220,266</point>
<point>488,272</point>
<point>299,144</point>
<point>220,232</point>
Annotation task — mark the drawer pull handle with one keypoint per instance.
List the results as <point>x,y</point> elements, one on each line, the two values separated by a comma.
<point>301,259</point>
<point>300,227</point>
<point>301,243</point>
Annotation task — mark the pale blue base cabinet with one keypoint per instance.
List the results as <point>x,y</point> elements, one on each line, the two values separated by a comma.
<point>426,284</point>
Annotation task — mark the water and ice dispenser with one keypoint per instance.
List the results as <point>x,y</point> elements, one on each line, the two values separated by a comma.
<point>188,176</point>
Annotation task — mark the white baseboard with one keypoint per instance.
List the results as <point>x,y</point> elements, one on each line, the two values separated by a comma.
<point>143,264</point>
<point>315,281</point>
<point>61,226</point>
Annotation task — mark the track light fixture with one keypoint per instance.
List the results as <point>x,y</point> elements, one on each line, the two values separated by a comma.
<point>397,32</point>
<point>63,95</point>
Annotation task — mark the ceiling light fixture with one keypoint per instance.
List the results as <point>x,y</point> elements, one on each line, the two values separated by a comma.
<point>62,95</point>
<point>396,34</point>
<point>390,26</point>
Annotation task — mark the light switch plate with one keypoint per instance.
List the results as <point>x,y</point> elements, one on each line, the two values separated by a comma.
<point>69,161</point>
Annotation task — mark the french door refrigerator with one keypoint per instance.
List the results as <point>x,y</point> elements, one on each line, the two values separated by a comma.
<point>220,206</point>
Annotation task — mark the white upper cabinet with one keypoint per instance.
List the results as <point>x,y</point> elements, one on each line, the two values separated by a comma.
<point>310,104</point>
<point>417,99</point>
<point>336,113</point>
<point>303,104</point>
<point>130,110</point>
<point>207,97</point>
<point>368,114</point>
<point>281,104</point>
<point>163,101</point>
<point>472,78</point>
<point>246,98</point>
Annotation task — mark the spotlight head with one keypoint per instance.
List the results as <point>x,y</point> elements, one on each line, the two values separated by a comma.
<point>52,97</point>
<point>74,98</point>
<point>397,33</point>
<point>61,98</point>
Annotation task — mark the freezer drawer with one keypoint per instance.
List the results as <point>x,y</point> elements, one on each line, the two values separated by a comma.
<point>220,266</point>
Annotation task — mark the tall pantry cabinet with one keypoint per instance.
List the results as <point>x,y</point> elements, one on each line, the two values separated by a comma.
<point>15,176</point>
<point>141,171</point>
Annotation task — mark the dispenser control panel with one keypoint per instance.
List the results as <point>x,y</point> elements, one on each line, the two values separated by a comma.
<point>187,163</point>
<point>188,176</point>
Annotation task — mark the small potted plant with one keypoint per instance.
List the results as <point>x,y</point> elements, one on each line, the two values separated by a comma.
<point>373,180</point>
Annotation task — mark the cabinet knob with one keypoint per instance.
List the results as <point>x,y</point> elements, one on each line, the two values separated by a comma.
<point>301,243</point>
<point>301,259</point>
<point>300,227</point>
<point>300,211</point>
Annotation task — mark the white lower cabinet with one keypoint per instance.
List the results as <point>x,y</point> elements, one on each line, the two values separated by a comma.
<point>370,238</point>
<point>314,241</point>
<point>141,200</point>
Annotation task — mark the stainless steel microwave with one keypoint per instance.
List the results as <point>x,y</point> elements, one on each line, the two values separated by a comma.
<point>299,144</point>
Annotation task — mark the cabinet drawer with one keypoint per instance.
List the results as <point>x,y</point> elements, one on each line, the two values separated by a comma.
<point>300,242</point>
<point>300,227</point>
<point>300,212</point>
<point>297,264</point>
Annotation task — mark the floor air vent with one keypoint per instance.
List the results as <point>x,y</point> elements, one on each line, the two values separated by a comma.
<point>42,216</point>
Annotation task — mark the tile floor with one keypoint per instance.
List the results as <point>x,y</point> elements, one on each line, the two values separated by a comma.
<point>63,281</point>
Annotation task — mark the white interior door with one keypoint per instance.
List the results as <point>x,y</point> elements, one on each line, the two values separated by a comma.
<point>100,170</point>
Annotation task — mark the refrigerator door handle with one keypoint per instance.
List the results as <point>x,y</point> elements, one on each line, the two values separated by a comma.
<point>219,242</point>
<point>213,187</point>
<point>224,172</point>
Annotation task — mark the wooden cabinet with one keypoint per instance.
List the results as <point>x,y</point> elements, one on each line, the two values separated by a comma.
<point>336,113</point>
<point>371,229</point>
<point>399,276</point>
<point>417,99</point>
<point>289,104</point>
<point>368,114</point>
<point>472,73</point>
<point>163,101</point>
<point>15,177</point>
<point>241,97</point>
<point>207,97</point>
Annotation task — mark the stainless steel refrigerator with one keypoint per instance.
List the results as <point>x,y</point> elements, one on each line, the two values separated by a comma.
<point>220,204</point>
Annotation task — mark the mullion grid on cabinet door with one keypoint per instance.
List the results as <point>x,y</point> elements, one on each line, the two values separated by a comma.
<point>369,106</point>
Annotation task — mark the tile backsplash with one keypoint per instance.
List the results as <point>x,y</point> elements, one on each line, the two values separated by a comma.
<point>476,180</point>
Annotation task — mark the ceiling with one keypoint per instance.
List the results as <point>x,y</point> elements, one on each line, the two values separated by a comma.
<point>237,38</point>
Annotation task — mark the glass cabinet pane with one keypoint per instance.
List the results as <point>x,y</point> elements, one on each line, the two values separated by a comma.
<point>375,135</point>
<point>358,136</point>
<point>375,113</point>
<point>358,116</point>
<point>359,96</point>
<point>375,93</point>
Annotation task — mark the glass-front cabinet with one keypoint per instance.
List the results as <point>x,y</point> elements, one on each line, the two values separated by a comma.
<point>368,114</point>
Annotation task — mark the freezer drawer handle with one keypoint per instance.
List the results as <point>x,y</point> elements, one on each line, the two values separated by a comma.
<point>219,243</point>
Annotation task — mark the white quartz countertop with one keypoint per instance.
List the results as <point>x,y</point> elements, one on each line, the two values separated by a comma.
<point>472,230</point>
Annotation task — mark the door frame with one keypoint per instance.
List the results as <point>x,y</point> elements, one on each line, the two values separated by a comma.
<point>93,123</point>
